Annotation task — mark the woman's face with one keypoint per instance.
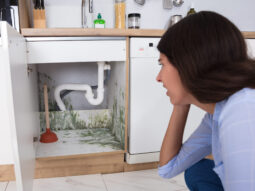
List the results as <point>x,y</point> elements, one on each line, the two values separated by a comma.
<point>170,78</point>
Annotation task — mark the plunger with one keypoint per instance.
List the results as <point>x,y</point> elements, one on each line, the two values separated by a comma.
<point>48,136</point>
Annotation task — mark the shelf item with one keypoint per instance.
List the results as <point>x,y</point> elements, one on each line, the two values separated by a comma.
<point>39,14</point>
<point>120,13</point>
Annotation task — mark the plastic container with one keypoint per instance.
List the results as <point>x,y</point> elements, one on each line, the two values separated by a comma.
<point>120,11</point>
<point>99,22</point>
<point>134,20</point>
<point>191,10</point>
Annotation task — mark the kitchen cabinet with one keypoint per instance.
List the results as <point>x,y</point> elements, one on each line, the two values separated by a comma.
<point>22,57</point>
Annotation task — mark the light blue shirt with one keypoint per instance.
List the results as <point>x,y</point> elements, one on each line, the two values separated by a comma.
<point>229,134</point>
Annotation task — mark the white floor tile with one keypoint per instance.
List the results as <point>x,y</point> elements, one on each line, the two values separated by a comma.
<point>148,180</point>
<point>11,186</point>
<point>3,186</point>
<point>143,180</point>
<point>71,183</point>
<point>75,183</point>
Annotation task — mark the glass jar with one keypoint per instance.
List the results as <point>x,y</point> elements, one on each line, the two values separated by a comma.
<point>134,20</point>
<point>120,11</point>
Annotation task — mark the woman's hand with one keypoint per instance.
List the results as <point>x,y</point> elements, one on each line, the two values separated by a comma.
<point>173,138</point>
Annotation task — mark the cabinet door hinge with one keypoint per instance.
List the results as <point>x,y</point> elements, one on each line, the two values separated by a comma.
<point>35,139</point>
<point>29,70</point>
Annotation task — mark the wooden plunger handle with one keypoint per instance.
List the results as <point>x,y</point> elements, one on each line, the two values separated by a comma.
<point>46,105</point>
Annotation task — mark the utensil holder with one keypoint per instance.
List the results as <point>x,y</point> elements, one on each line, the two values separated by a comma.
<point>39,18</point>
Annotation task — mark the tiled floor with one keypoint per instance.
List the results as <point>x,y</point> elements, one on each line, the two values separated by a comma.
<point>3,186</point>
<point>129,181</point>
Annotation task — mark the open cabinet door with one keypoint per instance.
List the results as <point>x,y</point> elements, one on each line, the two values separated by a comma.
<point>20,108</point>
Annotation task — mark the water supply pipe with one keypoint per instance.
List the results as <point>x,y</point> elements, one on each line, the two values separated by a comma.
<point>85,87</point>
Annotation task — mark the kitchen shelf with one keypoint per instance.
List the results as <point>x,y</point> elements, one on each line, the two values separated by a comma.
<point>58,32</point>
<point>249,34</point>
<point>72,32</point>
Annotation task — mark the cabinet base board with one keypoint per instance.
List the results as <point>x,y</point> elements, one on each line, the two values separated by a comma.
<point>7,173</point>
<point>80,165</point>
<point>101,163</point>
<point>140,166</point>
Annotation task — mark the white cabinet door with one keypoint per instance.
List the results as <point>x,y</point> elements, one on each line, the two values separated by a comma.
<point>20,107</point>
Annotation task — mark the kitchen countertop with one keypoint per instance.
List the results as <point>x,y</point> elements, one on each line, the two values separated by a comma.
<point>61,32</point>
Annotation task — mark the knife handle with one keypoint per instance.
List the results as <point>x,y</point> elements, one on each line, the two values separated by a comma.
<point>42,4</point>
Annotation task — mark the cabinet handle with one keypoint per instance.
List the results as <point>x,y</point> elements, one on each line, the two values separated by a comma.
<point>29,70</point>
<point>35,139</point>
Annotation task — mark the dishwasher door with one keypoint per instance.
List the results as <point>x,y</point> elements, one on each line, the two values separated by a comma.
<point>150,108</point>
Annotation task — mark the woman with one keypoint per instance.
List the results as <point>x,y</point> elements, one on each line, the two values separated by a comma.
<point>204,62</point>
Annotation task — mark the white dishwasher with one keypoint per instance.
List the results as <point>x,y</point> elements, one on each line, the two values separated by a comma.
<point>150,108</point>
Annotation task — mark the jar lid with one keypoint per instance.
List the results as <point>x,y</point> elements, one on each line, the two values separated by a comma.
<point>134,15</point>
<point>119,1</point>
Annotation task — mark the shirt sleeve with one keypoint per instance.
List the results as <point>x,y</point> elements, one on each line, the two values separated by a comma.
<point>194,149</point>
<point>237,139</point>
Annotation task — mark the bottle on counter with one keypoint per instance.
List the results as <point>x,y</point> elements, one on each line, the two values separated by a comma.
<point>120,13</point>
<point>191,10</point>
<point>99,22</point>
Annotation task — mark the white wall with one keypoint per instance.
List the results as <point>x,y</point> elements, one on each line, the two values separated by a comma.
<point>67,13</point>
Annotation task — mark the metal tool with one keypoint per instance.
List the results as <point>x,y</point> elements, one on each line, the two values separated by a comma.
<point>90,6</point>
<point>83,14</point>
<point>178,3</point>
<point>140,2</point>
<point>174,19</point>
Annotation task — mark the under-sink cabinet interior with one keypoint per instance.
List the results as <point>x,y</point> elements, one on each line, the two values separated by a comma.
<point>86,86</point>
<point>81,127</point>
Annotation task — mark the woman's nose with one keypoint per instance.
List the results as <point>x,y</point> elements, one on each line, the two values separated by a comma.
<point>158,78</point>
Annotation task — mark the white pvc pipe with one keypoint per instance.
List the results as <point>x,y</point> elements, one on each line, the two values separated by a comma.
<point>84,87</point>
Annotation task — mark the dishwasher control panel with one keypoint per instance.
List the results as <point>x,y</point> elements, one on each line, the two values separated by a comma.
<point>144,47</point>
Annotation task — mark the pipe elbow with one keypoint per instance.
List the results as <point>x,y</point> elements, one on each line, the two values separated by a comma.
<point>98,100</point>
<point>58,99</point>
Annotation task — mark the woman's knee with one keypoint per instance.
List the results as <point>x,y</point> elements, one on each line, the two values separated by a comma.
<point>189,178</point>
<point>201,176</point>
<point>197,172</point>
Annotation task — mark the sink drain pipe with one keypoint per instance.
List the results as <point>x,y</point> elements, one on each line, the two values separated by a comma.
<point>84,87</point>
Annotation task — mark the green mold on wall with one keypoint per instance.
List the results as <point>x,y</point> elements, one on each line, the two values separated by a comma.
<point>104,127</point>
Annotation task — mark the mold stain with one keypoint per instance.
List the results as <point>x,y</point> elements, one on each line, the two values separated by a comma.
<point>105,128</point>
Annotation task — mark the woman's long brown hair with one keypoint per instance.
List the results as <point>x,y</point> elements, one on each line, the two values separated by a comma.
<point>210,55</point>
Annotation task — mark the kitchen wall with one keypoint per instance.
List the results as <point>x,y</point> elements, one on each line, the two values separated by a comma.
<point>67,13</point>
